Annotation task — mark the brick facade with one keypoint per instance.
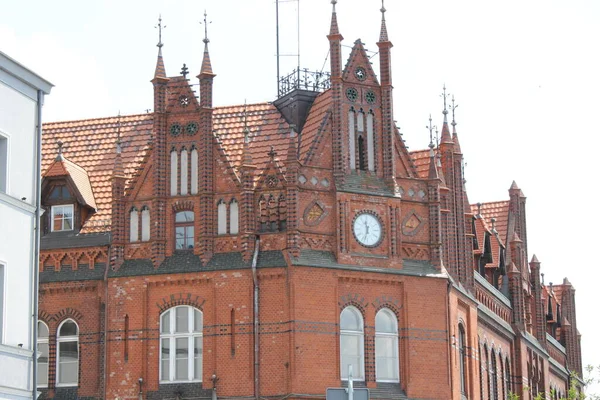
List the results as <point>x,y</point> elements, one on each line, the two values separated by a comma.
<point>455,277</point>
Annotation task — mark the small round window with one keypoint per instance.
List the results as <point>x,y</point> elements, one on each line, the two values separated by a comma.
<point>352,94</point>
<point>175,129</point>
<point>370,97</point>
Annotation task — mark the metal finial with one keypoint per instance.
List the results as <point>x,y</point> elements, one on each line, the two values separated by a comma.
<point>430,127</point>
<point>246,130</point>
<point>184,71</point>
<point>119,133</point>
<point>494,225</point>
<point>205,40</point>
<point>437,137</point>
<point>444,95</point>
<point>334,2</point>
<point>383,10</point>
<point>453,107</point>
<point>272,153</point>
<point>160,28</point>
<point>60,147</point>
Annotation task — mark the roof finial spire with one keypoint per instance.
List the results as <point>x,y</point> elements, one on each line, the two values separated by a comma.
<point>383,35</point>
<point>246,130</point>
<point>206,39</point>
<point>119,149</point>
<point>453,107</point>
<point>444,95</point>
<point>160,28</point>
<point>333,29</point>
<point>60,150</point>
<point>430,127</point>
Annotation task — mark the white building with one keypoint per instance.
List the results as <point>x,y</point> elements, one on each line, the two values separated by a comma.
<point>21,99</point>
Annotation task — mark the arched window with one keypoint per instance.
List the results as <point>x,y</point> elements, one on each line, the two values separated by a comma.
<point>67,354</point>
<point>194,170</point>
<point>361,154</point>
<point>181,345</point>
<point>221,218</point>
<point>493,377</point>
<point>351,139</point>
<point>174,172</point>
<point>234,217</point>
<point>184,230</point>
<point>481,373</point>
<point>487,366</point>
<point>282,210</point>
<point>507,377</point>
<point>133,225</point>
<point>43,348</point>
<point>370,143</point>
<point>462,340</point>
<point>352,343</point>
<point>386,346</point>
<point>502,377</point>
<point>145,224</point>
<point>184,171</point>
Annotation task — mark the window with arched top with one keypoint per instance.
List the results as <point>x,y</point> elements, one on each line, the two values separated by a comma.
<point>221,218</point>
<point>352,343</point>
<point>67,354</point>
<point>184,230</point>
<point>43,351</point>
<point>234,217</point>
<point>370,142</point>
<point>362,165</point>
<point>507,377</point>
<point>493,377</point>
<point>351,139</point>
<point>194,171</point>
<point>386,346</point>
<point>174,166</point>
<point>184,171</point>
<point>133,225</point>
<point>462,341</point>
<point>181,344</point>
<point>481,372</point>
<point>145,224</point>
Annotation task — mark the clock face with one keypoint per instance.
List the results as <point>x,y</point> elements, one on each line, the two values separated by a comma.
<point>367,230</point>
<point>184,100</point>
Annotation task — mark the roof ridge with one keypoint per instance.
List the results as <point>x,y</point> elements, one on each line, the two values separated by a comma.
<point>97,118</point>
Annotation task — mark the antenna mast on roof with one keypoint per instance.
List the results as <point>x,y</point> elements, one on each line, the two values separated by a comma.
<point>279,55</point>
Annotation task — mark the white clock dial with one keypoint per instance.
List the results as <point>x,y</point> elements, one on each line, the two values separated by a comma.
<point>367,230</point>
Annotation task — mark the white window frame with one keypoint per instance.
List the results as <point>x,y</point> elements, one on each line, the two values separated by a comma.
<point>360,374</point>
<point>66,339</point>
<point>43,340</point>
<point>172,337</point>
<point>54,208</point>
<point>388,336</point>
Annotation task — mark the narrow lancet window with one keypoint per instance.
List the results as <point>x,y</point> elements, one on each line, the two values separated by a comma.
<point>173,172</point>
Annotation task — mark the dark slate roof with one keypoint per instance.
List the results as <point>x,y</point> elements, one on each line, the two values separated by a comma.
<point>498,294</point>
<point>66,274</point>
<point>558,367</point>
<point>534,342</point>
<point>73,239</point>
<point>365,183</point>
<point>185,261</point>
<point>484,312</point>
<point>326,259</point>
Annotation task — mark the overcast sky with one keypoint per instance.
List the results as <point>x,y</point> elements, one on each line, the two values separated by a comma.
<point>525,75</point>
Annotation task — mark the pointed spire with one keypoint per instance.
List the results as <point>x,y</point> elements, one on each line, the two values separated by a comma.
<point>433,170</point>
<point>446,138</point>
<point>159,71</point>
<point>383,35</point>
<point>334,30</point>
<point>514,186</point>
<point>206,68</point>
<point>454,134</point>
<point>535,260</point>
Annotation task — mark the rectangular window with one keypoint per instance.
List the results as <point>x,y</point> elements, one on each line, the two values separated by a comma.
<point>3,163</point>
<point>62,218</point>
<point>2,269</point>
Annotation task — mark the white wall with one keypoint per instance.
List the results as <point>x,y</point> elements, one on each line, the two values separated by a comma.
<point>17,122</point>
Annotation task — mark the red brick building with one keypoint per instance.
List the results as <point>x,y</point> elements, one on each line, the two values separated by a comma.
<point>258,250</point>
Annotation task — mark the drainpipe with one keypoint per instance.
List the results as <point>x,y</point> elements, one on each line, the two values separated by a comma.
<point>105,350</point>
<point>450,338</point>
<point>256,323</point>
<point>36,241</point>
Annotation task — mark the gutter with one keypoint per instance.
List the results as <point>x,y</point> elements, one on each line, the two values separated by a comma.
<point>256,321</point>
<point>36,242</point>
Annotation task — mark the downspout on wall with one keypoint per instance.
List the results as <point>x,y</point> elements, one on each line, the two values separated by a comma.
<point>36,241</point>
<point>256,321</point>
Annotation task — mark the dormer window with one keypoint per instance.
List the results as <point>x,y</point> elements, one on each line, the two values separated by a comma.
<point>62,218</point>
<point>60,192</point>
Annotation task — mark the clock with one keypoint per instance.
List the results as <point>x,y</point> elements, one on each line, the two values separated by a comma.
<point>360,74</point>
<point>367,229</point>
<point>184,100</point>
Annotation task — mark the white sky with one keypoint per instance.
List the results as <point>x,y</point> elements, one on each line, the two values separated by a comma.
<point>525,75</point>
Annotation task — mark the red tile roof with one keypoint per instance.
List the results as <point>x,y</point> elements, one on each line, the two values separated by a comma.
<point>314,124</point>
<point>79,176</point>
<point>498,210</point>
<point>421,161</point>
<point>91,145</point>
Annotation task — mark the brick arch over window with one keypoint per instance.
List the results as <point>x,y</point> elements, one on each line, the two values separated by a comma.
<point>183,206</point>
<point>353,300</point>
<point>390,304</point>
<point>181,299</point>
<point>68,313</point>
